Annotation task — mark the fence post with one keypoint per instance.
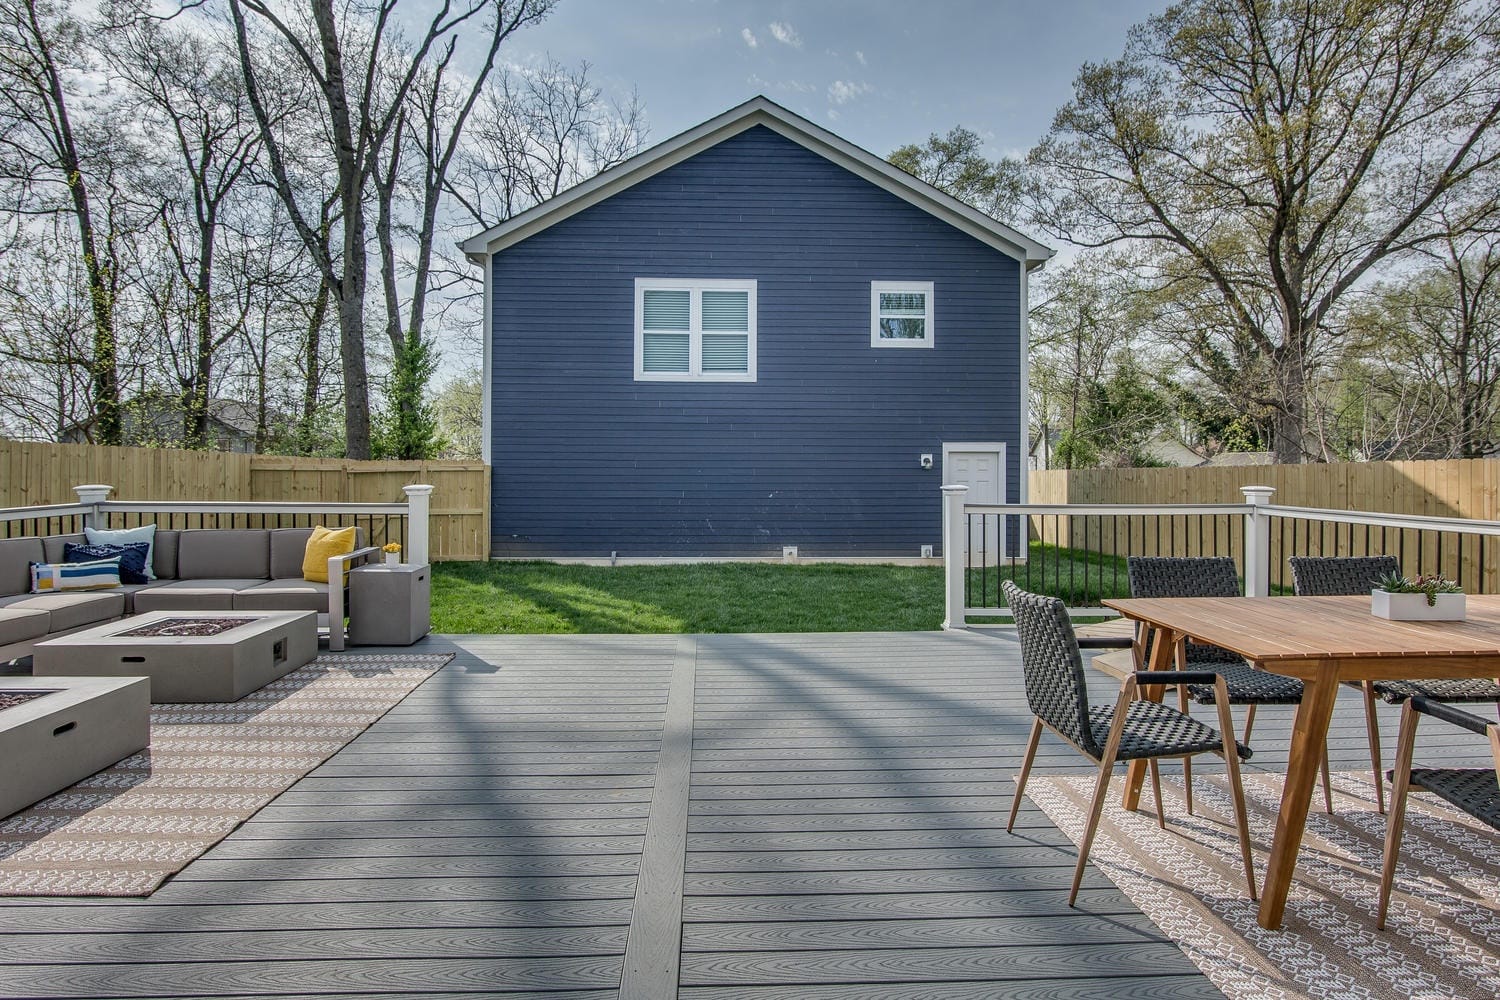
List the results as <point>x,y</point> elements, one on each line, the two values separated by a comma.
<point>955,531</point>
<point>1257,541</point>
<point>418,506</point>
<point>94,494</point>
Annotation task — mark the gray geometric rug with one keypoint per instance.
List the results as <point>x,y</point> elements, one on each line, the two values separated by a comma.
<point>1442,936</point>
<point>210,767</point>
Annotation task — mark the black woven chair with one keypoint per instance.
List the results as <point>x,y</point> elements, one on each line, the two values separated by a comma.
<point>1131,729</point>
<point>1332,576</point>
<point>1475,790</point>
<point>1215,576</point>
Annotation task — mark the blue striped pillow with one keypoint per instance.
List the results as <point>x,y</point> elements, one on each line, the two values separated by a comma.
<point>50,578</point>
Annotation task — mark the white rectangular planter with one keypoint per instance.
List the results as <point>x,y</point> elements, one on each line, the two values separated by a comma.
<point>1414,607</point>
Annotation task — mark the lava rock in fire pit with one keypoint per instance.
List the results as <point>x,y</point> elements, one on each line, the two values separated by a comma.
<point>10,699</point>
<point>168,627</point>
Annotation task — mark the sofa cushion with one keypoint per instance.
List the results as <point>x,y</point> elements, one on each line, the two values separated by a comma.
<point>191,595</point>
<point>164,554</point>
<point>20,624</point>
<point>129,590</point>
<point>55,545</point>
<point>16,557</point>
<point>70,611</point>
<point>227,553</point>
<point>284,595</point>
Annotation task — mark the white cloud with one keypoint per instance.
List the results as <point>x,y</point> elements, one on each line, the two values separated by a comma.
<point>844,91</point>
<point>861,57</point>
<point>785,34</point>
<point>749,37</point>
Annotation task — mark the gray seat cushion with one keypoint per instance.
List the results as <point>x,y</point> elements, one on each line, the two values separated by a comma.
<point>20,624</point>
<point>224,554</point>
<point>191,595</point>
<point>284,595</point>
<point>72,610</point>
<point>16,557</point>
<point>130,590</point>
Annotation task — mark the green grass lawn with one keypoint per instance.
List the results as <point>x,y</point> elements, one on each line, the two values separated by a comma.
<point>542,597</point>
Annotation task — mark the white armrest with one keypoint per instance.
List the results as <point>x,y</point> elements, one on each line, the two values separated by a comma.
<point>336,568</point>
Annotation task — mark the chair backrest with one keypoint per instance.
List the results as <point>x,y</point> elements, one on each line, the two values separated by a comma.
<point>1056,689</point>
<point>1187,576</point>
<point>1172,576</point>
<point>1334,576</point>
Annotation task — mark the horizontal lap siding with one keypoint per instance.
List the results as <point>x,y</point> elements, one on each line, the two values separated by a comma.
<point>821,451</point>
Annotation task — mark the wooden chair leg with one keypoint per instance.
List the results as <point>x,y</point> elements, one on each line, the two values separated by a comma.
<point>1327,783</point>
<point>1185,709</point>
<point>1372,730</point>
<point>1015,805</point>
<point>1161,815</point>
<point>1406,742</point>
<point>1236,788</point>
<point>1101,786</point>
<point>1249,723</point>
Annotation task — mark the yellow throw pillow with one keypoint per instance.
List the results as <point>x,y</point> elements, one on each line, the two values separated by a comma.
<point>322,545</point>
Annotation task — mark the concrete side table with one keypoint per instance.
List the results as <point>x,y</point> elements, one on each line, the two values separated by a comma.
<point>389,605</point>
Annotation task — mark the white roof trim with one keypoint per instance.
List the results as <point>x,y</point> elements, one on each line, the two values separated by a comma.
<point>759,111</point>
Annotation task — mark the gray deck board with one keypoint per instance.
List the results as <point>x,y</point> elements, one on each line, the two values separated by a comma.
<point>793,817</point>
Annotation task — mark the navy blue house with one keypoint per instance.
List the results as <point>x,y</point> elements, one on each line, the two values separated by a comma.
<point>752,336</point>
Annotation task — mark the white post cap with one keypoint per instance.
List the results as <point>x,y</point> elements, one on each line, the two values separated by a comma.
<point>93,492</point>
<point>1257,494</point>
<point>417,488</point>
<point>952,488</point>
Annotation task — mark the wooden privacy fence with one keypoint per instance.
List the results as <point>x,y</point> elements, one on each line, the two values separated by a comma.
<point>1462,488</point>
<point>34,474</point>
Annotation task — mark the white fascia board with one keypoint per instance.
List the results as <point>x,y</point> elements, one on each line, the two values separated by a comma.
<point>760,111</point>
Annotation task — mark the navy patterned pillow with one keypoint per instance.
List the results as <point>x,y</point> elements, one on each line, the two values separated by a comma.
<point>132,558</point>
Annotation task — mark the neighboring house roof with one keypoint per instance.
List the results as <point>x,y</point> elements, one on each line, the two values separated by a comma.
<point>231,414</point>
<point>760,111</point>
<point>1239,458</point>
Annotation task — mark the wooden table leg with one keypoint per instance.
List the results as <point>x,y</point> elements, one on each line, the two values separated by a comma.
<point>1162,648</point>
<point>1309,737</point>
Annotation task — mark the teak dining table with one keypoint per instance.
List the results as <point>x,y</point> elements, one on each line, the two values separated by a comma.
<point>1322,641</point>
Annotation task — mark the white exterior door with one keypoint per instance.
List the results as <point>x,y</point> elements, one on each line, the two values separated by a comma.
<point>980,467</point>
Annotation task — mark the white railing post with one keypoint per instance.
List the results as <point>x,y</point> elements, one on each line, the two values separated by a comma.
<point>1257,541</point>
<point>955,536</point>
<point>94,494</point>
<point>418,507</point>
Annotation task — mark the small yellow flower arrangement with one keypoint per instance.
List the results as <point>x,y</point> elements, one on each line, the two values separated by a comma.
<point>392,552</point>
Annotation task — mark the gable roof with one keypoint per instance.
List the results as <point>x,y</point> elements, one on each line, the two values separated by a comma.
<point>759,111</point>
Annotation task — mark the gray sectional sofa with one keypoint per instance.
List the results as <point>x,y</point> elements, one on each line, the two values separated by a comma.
<point>208,569</point>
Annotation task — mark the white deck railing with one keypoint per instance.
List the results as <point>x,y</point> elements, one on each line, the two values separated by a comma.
<point>95,509</point>
<point>1075,551</point>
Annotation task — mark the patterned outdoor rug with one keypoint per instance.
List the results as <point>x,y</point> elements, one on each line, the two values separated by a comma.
<point>209,768</point>
<point>1442,936</point>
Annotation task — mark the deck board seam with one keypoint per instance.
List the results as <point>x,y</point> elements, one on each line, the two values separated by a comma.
<point>653,945</point>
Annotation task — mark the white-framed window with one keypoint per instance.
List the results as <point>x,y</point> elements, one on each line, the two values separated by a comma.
<point>901,314</point>
<point>694,329</point>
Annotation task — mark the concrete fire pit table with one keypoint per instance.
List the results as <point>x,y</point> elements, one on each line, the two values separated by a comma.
<point>56,731</point>
<point>189,657</point>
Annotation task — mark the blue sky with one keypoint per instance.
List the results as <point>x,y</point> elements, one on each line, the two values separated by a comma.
<point>877,72</point>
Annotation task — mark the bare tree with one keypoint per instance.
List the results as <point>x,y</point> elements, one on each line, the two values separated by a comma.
<point>1274,153</point>
<point>42,46</point>
<point>363,89</point>
<point>181,84</point>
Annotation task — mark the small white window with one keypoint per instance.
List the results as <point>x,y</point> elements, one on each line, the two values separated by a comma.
<point>901,314</point>
<point>689,329</point>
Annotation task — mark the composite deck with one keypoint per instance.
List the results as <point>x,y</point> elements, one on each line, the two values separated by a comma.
<point>728,817</point>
